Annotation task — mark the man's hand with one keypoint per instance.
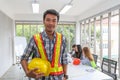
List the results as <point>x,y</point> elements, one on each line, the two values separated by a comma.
<point>33,74</point>
<point>64,78</point>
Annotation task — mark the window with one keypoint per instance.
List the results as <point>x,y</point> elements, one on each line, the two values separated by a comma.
<point>30,28</point>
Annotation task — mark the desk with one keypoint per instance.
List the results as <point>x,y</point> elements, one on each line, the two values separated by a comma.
<point>83,72</point>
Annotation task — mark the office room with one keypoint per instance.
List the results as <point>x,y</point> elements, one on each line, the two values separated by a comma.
<point>74,24</point>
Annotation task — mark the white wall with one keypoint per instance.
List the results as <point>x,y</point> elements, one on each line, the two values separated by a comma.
<point>5,43</point>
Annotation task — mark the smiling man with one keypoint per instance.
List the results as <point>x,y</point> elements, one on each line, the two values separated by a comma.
<point>49,45</point>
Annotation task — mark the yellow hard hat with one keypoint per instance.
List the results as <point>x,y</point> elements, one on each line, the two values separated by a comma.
<point>43,66</point>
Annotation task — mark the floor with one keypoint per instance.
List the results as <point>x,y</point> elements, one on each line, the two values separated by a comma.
<point>14,73</point>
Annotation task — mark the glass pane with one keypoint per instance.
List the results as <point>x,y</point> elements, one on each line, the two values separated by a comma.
<point>97,23</point>
<point>92,37</point>
<point>105,15</point>
<point>105,37</point>
<point>86,34</point>
<point>33,29</point>
<point>68,30</point>
<point>27,32</point>
<point>40,28</point>
<point>114,37</point>
<point>83,35</point>
<point>98,18</point>
<point>18,30</point>
<point>115,12</point>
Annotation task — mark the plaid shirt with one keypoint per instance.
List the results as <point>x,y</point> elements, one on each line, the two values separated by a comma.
<point>49,45</point>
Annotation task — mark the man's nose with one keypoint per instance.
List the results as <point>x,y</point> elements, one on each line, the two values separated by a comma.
<point>51,22</point>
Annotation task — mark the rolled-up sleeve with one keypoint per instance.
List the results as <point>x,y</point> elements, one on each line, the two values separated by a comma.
<point>64,52</point>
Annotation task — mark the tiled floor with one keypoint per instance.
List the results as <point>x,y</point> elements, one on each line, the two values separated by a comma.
<point>14,73</point>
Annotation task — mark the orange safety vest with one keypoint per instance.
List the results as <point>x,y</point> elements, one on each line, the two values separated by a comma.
<point>56,67</point>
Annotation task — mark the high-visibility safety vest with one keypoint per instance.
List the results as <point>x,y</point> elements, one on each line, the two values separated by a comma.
<point>56,67</point>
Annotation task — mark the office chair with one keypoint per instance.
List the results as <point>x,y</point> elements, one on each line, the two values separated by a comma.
<point>109,67</point>
<point>95,58</point>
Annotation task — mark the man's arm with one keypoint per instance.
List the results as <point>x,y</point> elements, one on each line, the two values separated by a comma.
<point>24,65</point>
<point>30,73</point>
<point>24,60</point>
<point>65,72</point>
<point>65,69</point>
<point>64,59</point>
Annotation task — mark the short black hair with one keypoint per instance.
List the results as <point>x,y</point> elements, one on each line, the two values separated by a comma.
<point>51,11</point>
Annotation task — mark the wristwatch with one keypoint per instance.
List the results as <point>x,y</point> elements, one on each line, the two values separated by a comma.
<point>65,76</point>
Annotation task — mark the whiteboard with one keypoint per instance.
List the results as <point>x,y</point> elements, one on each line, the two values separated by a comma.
<point>20,44</point>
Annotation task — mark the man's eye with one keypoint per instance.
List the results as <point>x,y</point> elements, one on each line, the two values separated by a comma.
<point>54,20</point>
<point>48,20</point>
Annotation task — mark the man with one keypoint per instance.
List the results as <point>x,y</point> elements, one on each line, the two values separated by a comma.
<point>50,44</point>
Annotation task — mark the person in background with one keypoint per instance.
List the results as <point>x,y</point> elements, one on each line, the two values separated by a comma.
<point>49,45</point>
<point>69,54</point>
<point>88,58</point>
<point>78,51</point>
<point>73,49</point>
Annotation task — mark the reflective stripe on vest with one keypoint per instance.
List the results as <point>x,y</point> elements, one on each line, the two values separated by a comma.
<point>55,64</point>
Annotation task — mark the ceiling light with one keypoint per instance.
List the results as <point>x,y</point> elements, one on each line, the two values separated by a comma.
<point>65,8</point>
<point>35,7</point>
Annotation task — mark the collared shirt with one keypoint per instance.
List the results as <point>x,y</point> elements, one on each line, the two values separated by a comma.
<point>49,46</point>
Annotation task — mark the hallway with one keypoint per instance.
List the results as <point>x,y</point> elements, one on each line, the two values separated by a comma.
<point>14,73</point>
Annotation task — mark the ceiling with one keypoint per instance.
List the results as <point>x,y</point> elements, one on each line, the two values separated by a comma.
<point>24,7</point>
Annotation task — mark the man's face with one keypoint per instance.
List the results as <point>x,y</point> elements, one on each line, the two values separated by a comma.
<point>50,22</point>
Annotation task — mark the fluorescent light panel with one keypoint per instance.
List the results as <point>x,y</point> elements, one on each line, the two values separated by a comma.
<point>65,9</point>
<point>35,7</point>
